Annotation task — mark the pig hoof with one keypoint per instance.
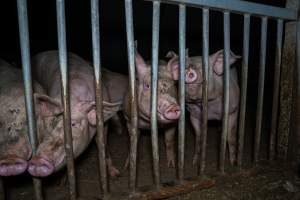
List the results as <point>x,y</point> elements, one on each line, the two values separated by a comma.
<point>40,167</point>
<point>12,166</point>
<point>114,172</point>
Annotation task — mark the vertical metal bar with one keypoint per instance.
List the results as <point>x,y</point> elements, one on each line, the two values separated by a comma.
<point>30,113</point>
<point>154,73</point>
<point>2,190</point>
<point>298,80</point>
<point>261,80</point>
<point>99,96</point>
<point>243,89</point>
<point>276,88</point>
<point>181,127</point>
<point>205,65</point>
<point>62,48</point>
<point>226,89</point>
<point>133,99</point>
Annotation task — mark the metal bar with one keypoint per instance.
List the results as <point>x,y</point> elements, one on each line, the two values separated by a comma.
<point>226,90</point>
<point>241,7</point>
<point>133,103</point>
<point>243,89</point>
<point>2,189</point>
<point>62,49</point>
<point>154,74</point>
<point>30,112</point>
<point>181,125</point>
<point>205,65</point>
<point>261,80</point>
<point>276,88</point>
<point>99,96</point>
<point>174,190</point>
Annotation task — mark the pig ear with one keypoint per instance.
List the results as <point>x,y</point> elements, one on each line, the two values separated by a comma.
<point>141,66</point>
<point>46,106</point>
<point>173,64</point>
<point>216,61</point>
<point>109,110</point>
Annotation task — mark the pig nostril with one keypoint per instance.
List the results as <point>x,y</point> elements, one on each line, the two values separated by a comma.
<point>191,75</point>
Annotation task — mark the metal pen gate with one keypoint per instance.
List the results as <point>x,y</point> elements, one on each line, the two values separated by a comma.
<point>247,9</point>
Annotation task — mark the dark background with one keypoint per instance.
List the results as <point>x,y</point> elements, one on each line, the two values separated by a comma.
<point>43,32</point>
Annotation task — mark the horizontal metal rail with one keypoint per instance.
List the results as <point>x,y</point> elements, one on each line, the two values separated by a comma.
<point>242,7</point>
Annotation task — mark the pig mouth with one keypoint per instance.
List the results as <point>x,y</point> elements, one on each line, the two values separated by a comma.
<point>12,166</point>
<point>171,113</point>
<point>40,167</point>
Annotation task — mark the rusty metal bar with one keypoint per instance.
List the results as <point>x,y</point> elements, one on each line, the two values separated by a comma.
<point>26,66</point>
<point>181,126</point>
<point>172,190</point>
<point>154,74</point>
<point>100,137</point>
<point>205,65</point>
<point>242,7</point>
<point>62,50</point>
<point>244,84</point>
<point>261,80</point>
<point>133,103</point>
<point>2,190</point>
<point>276,89</point>
<point>226,90</point>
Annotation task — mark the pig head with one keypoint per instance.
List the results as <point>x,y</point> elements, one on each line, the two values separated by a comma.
<point>15,147</point>
<point>51,155</point>
<point>193,84</point>
<point>168,110</point>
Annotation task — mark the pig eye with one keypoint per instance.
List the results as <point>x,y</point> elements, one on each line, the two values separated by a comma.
<point>73,124</point>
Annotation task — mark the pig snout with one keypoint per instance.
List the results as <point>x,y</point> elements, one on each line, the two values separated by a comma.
<point>12,166</point>
<point>171,112</point>
<point>190,75</point>
<point>40,167</point>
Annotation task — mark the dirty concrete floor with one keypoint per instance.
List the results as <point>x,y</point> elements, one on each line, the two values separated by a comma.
<point>267,181</point>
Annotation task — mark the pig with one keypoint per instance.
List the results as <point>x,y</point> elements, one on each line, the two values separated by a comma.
<point>168,110</point>
<point>193,85</point>
<point>51,155</point>
<point>15,148</point>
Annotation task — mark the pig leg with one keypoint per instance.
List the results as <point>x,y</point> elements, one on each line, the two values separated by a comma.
<point>117,124</point>
<point>138,137</point>
<point>196,123</point>
<point>169,141</point>
<point>231,140</point>
<point>112,170</point>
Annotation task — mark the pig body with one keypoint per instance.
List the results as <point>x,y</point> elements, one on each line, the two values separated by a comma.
<point>15,148</point>
<point>51,154</point>
<point>193,84</point>
<point>168,111</point>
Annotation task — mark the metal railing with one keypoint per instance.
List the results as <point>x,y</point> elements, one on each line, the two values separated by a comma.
<point>247,9</point>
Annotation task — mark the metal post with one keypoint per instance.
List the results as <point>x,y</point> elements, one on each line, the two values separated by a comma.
<point>133,99</point>
<point>243,89</point>
<point>99,96</point>
<point>226,90</point>
<point>30,112</point>
<point>261,80</point>
<point>154,73</point>
<point>181,127</point>
<point>276,89</point>
<point>205,65</point>
<point>62,49</point>
<point>2,190</point>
